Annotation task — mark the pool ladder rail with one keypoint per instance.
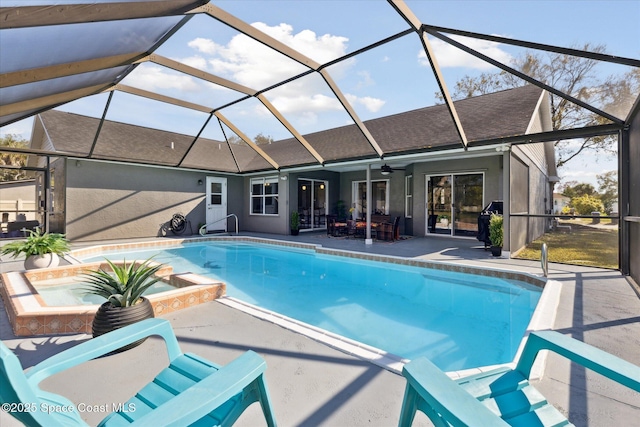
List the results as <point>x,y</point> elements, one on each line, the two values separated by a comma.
<point>544,259</point>
<point>203,230</point>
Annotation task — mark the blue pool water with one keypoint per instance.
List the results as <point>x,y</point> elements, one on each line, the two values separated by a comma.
<point>457,320</point>
<point>74,293</point>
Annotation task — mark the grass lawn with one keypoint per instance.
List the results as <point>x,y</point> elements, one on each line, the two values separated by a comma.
<point>584,245</point>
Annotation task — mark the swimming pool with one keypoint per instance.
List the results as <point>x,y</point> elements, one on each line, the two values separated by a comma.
<point>458,320</point>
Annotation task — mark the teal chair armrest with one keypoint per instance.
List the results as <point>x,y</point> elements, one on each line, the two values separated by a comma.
<point>442,395</point>
<point>590,357</point>
<point>105,344</point>
<point>208,394</point>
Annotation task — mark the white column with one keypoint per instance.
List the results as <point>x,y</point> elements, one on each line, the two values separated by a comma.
<point>368,240</point>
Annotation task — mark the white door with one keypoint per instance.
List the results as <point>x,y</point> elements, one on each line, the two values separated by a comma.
<point>216,203</point>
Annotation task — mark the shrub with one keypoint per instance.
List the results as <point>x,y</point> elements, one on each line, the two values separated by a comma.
<point>495,230</point>
<point>586,204</point>
<point>295,220</point>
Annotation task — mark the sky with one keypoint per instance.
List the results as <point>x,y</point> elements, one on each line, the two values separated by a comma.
<point>387,80</point>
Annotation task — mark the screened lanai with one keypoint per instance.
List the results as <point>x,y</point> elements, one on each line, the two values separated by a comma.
<point>237,93</point>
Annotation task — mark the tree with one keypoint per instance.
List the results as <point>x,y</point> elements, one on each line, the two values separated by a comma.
<point>578,190</point>
<point>261,139</point>
<point>12,159</point>
<point>574,76</point>
<point>586,204</point>
<point>608,189</point>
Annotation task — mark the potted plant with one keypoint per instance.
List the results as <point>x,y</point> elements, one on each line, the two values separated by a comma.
<point>123,287</point>
<point>295,223</point>
<point>496,234</point>
<point>40,249</point>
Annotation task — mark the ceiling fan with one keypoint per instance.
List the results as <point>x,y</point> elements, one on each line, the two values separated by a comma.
<point>386,169</point>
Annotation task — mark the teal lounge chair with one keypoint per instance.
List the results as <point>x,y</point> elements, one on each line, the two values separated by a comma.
<point>190,390</point>
<point>503,396</point>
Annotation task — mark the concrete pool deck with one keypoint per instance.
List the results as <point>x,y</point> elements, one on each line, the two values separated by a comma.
<point>313,384</point>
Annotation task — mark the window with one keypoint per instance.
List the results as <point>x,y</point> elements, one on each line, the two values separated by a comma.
<point>264,196</point>
<point>408,196</point>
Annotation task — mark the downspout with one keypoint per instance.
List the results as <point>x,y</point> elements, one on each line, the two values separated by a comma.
<point>368,240</point>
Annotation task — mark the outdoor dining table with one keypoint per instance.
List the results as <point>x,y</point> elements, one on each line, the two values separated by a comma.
<point>361,226</point>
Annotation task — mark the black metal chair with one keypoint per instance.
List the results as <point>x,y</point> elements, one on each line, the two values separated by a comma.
<point>351,228</point>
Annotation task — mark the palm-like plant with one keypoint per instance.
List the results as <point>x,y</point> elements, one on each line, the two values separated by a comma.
<point>495,230</point>
<point>38,243</point>
<point>125,284</point>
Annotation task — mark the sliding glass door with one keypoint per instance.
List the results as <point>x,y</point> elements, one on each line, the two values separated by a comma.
<point>379,198</point>
<point>454,202</point>
<point>312,203</point>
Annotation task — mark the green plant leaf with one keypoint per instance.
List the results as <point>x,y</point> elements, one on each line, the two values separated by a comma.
<point>38,243</point>
<point>125,284</point>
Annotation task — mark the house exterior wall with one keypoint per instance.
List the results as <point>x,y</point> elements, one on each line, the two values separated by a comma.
<point>277,224</point>
<point>106,200</point>
<point>113,201</point>
<point>490,165</point>
<point>287,200</point>
<point>559,203</point>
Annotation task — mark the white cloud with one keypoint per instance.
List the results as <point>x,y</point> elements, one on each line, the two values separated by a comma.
<point>371,104</point>
<point>242,60</point>
<point>320,48</point>
<point>204,45</point>
<point>365,79</point>
<point>195,61</point>
<point>450,56</point>
<point>153,78</point>
<point>303,103</point>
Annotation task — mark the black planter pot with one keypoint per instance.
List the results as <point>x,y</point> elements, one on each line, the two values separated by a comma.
<point>295,232</point>
<point>109,318</point>
<point>496,250</point>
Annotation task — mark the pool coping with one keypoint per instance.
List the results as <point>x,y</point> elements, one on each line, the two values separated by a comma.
<point>543,317</point>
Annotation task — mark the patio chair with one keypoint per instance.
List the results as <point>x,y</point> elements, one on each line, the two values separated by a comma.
<point>390,231</point>
<point>351,228</point>
<point>190,389</point>
<point>503,396</point>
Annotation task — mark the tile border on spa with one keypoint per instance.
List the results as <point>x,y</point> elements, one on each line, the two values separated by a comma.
<point>30,315</point>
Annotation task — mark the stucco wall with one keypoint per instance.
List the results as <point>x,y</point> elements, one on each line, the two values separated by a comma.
<point>278,224</point>
<point>491,166</point>
<point>114,201</point>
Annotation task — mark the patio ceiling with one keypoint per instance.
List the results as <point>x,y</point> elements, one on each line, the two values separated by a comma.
<point>99,60</point>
